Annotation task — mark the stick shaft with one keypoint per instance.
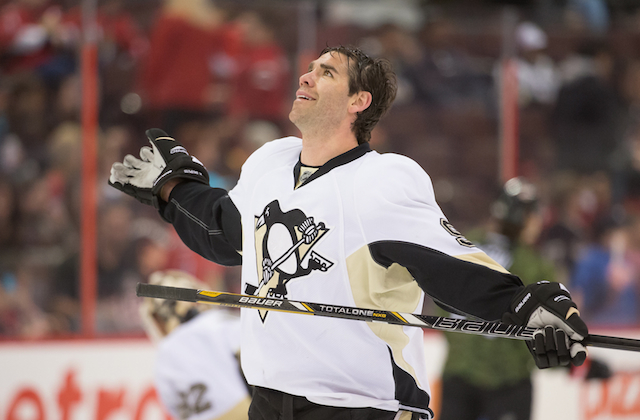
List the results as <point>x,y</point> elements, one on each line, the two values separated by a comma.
<point>485,328</point>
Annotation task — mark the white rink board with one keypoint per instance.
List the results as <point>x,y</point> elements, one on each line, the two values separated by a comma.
<point>559,396</point>
<point>112,380</point>
<point>78,380</point>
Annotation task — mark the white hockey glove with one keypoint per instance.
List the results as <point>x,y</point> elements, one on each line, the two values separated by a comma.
<point>135,176</point>
<point>548,306</point>
<point>166,159</point>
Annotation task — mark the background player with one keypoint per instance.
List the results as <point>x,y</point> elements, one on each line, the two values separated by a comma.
<point>488,378</point>
<point>197,374</point>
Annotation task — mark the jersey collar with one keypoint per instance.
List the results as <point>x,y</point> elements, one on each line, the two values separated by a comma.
<point>339,160</point>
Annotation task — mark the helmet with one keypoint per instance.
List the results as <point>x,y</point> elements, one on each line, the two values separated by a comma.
<point>517,200</point>
<point>161,316</point>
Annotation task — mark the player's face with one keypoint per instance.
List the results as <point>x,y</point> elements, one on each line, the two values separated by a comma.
<point>323,97</point>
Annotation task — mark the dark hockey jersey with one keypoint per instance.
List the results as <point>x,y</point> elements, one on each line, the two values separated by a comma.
<point>364,230</point>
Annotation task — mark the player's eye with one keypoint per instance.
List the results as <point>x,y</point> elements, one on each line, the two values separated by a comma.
<point>328,73</point>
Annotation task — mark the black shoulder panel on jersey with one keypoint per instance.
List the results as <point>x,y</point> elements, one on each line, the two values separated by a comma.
<point>207,221</point>
<point>468,288</point>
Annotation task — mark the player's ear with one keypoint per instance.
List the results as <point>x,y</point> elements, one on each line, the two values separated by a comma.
<point>360,101</point>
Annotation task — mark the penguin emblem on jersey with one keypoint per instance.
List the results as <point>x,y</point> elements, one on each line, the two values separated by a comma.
<point>284,242</point>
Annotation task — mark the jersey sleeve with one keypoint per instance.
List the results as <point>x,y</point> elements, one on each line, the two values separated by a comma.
<point>207,221</point>
<point>403,224</point>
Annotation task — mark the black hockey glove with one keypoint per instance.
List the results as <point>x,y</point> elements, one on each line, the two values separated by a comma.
<point>166,159</point>
<point>548,306</point>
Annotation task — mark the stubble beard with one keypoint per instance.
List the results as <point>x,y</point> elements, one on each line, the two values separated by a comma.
<point>314,122</point>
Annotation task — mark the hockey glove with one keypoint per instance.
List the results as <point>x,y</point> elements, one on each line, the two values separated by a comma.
<point>166,159</point>
<point>548,307</point>
<point>135,176</point>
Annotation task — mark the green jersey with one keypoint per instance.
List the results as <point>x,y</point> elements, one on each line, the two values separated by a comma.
<point>496,362</point>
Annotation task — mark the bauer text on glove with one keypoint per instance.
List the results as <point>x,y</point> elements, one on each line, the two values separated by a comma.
<point>548,306</point>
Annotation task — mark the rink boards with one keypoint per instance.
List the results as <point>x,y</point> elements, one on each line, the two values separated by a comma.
<point>112,379</point>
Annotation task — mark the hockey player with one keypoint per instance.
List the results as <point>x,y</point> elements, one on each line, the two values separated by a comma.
<point>484,377</point>
<point>197,373</point>
<point>324,218</point>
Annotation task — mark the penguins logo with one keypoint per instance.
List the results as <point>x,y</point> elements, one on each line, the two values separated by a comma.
<point>284,243</point>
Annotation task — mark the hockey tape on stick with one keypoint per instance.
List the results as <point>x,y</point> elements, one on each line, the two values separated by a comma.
<point>485,328</point>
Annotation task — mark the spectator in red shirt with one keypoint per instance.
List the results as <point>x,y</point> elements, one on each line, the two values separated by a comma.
<point>262,91</point>
<point>117,30</point>
<point>121,46</point>
<point>30,40</point>
<point>190,61</point>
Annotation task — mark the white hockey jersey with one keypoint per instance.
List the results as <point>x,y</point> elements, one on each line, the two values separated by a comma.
<point>364,230</point>
<point>197,374</point>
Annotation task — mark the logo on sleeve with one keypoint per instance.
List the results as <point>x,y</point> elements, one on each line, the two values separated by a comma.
<point>284,244</point>
<point>454,232</point>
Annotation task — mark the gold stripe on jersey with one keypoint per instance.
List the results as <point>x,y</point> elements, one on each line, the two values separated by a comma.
<point>376,287</point>
<point>405,415</point>
<point>482,259</point>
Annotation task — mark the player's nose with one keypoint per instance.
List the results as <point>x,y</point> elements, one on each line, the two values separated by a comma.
<point>307,79</point>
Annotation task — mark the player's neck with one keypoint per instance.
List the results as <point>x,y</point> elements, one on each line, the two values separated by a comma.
<point>320,147</point>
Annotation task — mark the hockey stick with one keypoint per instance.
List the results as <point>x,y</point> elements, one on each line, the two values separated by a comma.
<point>485,328</point>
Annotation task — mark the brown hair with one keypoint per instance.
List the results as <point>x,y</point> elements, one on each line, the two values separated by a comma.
<point>373,75</point>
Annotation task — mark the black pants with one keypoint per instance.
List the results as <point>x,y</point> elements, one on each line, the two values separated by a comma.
<point>462,401</point>
<point>267,404</point>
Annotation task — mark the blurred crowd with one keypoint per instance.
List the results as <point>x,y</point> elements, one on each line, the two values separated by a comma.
<point>221,77</point>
